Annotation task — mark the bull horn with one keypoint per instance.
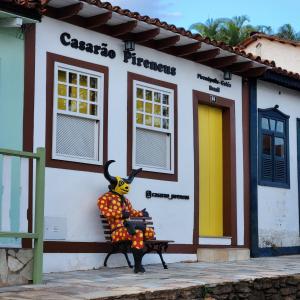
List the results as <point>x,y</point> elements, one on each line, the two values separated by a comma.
<point>133,174</point>
<point>110,178</point>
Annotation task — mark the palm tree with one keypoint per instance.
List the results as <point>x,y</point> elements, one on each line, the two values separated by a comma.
<point>236,30</point>
<point>231,31</point>
<point>210,28</point>
<point>287,31</point>
<point>265,29</point>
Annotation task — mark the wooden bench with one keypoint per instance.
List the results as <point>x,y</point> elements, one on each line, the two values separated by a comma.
<point>156,246</point>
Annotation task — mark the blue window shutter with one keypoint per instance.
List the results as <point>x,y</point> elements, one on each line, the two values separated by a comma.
<point>267,168</point>
<point>273,167</point>
<point>279,170</point>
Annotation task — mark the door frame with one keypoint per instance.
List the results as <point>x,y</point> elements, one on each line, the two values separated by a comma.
<point>229,164</point>
<point>298,165</point>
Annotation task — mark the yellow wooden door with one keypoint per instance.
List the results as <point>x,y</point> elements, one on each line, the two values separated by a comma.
<point>211,171</point>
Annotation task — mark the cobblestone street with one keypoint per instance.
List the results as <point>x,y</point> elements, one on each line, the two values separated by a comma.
<point>180,281</point>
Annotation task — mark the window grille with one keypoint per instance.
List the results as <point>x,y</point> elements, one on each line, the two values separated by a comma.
<point>76,137</point>
<point>78,102</point>
<point>152,149</point>
<point>154,128</point>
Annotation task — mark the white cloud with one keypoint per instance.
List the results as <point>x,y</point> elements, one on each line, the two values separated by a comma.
<point>163,9</point>
<point>175,14</point>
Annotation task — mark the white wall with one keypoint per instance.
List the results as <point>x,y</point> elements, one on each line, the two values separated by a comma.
<point>73,194</point>
<point>278,219</point>
<point>286,56</point>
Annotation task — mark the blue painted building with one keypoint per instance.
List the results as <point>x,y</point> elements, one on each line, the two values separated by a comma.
<point>15,22</point>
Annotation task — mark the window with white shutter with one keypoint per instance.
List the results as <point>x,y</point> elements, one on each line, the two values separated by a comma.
<point>273,148</point>
<point>153,130</point>
<point>77,114</point>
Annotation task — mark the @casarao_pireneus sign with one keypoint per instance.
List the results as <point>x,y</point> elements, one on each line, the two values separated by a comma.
<point>150,194</point>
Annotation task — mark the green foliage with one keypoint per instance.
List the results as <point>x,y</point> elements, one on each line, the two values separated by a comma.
<point>287,31</point>
<point>211,28</point>
<point>234,30</point>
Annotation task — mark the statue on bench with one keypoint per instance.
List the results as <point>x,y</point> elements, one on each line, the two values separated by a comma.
<point>118,210</point>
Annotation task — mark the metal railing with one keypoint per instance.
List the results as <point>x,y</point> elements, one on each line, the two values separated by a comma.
<point>38,231</point>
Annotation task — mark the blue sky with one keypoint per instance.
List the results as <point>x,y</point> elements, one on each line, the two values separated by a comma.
<point>183,13</point>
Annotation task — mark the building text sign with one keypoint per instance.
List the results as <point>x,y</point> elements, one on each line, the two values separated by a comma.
<point>214,81</point>
<point>128,57</point>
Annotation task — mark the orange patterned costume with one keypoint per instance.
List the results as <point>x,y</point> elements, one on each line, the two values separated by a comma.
<point>112,205</point>
<point>117,210</point>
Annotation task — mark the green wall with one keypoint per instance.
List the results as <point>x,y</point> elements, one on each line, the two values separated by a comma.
<point>11,112</point>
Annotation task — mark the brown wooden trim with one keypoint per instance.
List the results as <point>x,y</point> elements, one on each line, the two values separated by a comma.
<point>28,114</point>
<point>241,66</point>
<point>117,30</point>
<point>147,174</point>
<point>29,80</point>
<point>98,20</point>
<point>204,56</point>
<point>196,171</point>
<point>229,161</point>
<point>66,12</point>
<point>141,37</point>
<point>222,62</point>
<point>254,72</point>
<point>163,43</point>
<point>103,247</point>
<point>184,50</point>
<point>246,160</point>
<point>21,10</point>
<point>182,248</point>
<point>75,247</point>
<point>53,163</point>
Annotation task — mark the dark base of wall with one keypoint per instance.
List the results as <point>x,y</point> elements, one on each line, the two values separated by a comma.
<point>265,252</point>
<point>102,247</point>
<point>280,288</point>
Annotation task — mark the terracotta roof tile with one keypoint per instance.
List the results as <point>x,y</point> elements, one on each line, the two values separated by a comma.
<point>179,30</point>
<point>187,33</point>
<point>287,73</point>
<point>28,4</point>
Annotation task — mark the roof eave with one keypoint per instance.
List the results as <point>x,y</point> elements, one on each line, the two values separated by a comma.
<point>21,11</point>
<point>189,46</point>
<point>284,80</point>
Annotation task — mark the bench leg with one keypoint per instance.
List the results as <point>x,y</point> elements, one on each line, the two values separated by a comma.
<point>107,257</point>
<point>115,249</point>
<point>162,259</point>
<point>127,259</point>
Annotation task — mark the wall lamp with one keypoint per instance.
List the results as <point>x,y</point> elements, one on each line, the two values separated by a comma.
<point>227,75</point>
<point>129,45</point>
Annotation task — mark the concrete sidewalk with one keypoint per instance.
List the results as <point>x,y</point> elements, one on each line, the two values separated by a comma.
<point>157,283</point>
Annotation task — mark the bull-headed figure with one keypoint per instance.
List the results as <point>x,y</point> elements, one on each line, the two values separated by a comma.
<point>118,209</point>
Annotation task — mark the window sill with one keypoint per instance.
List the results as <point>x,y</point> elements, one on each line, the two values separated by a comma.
<point>274,184</point>
<point>156,175</point>
<point>76,166</point>
<point>154,170</point>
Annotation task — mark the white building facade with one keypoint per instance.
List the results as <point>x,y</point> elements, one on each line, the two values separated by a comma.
<point>219,160</point>
<point>72,190</point>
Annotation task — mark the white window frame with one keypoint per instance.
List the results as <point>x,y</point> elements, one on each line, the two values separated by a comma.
<point>170,92</point>
<point>99,118</point>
